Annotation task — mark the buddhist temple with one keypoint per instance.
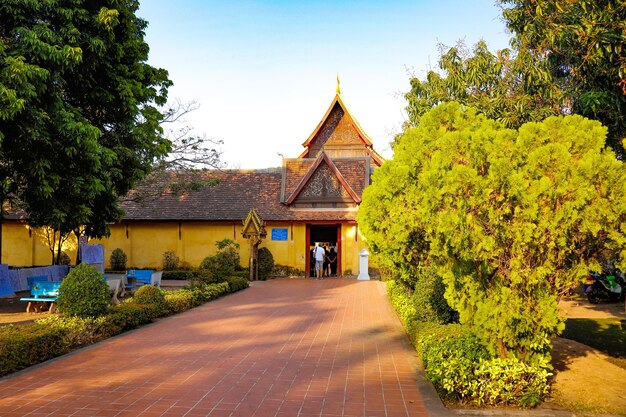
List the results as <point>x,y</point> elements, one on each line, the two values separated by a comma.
<point>313,198</point>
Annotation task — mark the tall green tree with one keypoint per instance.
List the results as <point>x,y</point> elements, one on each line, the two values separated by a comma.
<point>511,219</point>
<point>566,57</point>
<point>505,86</point>
<point>582,46</point>
<point>79,118</point>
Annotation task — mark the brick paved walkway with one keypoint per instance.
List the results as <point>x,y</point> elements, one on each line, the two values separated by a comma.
<point>280,348</point>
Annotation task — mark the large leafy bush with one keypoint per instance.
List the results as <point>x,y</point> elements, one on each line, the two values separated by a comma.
<point>266,263</point>
<point>83,293</point>
<point>151,295</point>
<point>225,262</point>
<point>118,260</point>
<point>510,219</point>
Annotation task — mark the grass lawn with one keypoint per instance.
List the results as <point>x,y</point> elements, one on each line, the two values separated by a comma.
<point>605,334</point>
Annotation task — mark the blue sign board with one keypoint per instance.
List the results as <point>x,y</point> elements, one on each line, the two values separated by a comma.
<point>280,234</point>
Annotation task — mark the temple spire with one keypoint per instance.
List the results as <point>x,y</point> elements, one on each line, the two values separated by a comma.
<point>338,89</point>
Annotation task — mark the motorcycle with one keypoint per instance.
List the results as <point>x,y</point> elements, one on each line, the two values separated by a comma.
<point>604,287</point>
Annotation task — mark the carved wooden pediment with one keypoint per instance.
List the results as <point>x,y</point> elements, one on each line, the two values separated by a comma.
<point>323,183</point>
<point>253,226</point>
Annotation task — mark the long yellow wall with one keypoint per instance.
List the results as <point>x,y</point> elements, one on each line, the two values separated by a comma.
<point>23,246</point>
<point>144,243</point>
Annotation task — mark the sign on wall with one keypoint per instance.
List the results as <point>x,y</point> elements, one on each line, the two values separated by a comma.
<point>280,233</point>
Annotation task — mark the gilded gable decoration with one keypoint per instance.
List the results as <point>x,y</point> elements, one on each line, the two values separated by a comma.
<point>254,231</point>
<point>324,183</point>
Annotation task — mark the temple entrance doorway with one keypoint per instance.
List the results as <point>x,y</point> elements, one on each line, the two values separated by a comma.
<point>329,237</point>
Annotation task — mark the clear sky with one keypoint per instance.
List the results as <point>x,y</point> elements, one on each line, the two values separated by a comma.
<point>264,72</point>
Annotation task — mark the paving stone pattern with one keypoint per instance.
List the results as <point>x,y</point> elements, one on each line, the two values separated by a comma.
<point>280,348</point>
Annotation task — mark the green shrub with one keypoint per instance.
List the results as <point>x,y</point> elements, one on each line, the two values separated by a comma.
<point>181,300</point>
<point>151,295</point>
<point>170,261</point>
<point>429,301</point>
<point>450,354</point>
<point>225,262</point>
<point>460,367</point>
<point>80,331</point>
<point>83,293</point>
<point>213,291</point>
<point>180,275</point>
<point>403,305</point>
<point>128,316</point>
<point>286,271</point>
<point>64,259</point>
<point>118,260</point>
<point>201,277</point>
<point>266,263</point>
<point>244,274</point>
<point>26,345</point>
<point>237,283</point>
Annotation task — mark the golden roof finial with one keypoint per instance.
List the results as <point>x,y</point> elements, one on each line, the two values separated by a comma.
<point>338,89</point>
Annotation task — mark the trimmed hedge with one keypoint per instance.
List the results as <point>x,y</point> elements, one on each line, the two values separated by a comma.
<point>179,275</point>
<point>26,345</point>
<point>459,364</point>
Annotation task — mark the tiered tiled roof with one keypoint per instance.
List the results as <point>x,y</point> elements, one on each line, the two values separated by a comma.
<point>230,200</point>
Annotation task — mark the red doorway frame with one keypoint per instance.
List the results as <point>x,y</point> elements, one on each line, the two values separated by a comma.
<point>308,246</point>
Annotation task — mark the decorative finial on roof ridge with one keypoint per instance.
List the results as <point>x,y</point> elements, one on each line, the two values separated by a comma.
<point>338,89</point>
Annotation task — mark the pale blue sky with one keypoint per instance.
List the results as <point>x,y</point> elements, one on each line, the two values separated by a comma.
<point>264,71</point>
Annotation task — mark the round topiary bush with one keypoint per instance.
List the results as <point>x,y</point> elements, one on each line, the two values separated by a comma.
<point>118,260</point>
<point>83,293</point>
<point>266,263</point>
<point>151,295</point>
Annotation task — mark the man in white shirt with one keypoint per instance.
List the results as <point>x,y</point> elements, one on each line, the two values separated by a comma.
<point>319,253</point>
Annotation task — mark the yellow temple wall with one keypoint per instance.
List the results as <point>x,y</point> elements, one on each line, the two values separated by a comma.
<point>145,242</point>
<point>24,246</point>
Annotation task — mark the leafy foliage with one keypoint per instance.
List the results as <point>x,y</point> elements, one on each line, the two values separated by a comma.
<point>170,261</point>
<point>567,57</point>
<point>118,260</point>
<point>429,300</point>
<point>461,368</point>
<point>504,86</point>
<point>151,295</point>
<point>225,262</point>
<point>83,293</point>
<point>579,45</point>
<point>509,219</point>
<point>79,123</point>
<point>266,263</point>
<point>23,346</point>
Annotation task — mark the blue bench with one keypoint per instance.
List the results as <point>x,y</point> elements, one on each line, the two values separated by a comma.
<point>141,276</point>
<point>42,293</point>
<point>34,279</point>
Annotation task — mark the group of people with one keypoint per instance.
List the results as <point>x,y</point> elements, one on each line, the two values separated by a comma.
<point>325,260</point>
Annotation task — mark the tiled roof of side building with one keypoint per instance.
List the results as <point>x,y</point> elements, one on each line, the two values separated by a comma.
<point>237,192</point>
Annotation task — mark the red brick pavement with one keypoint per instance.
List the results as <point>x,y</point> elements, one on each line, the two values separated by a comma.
<point>280,348</point>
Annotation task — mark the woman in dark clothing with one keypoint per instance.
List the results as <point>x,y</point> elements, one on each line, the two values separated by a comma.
<point>332,259</point>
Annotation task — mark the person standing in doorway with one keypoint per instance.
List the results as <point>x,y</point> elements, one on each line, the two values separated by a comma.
<point>319,255</point>
<point>332,259</point>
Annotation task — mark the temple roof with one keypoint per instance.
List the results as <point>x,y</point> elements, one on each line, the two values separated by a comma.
<point>340,134</point>
<point>231,200</point>
<point>352,174</point>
